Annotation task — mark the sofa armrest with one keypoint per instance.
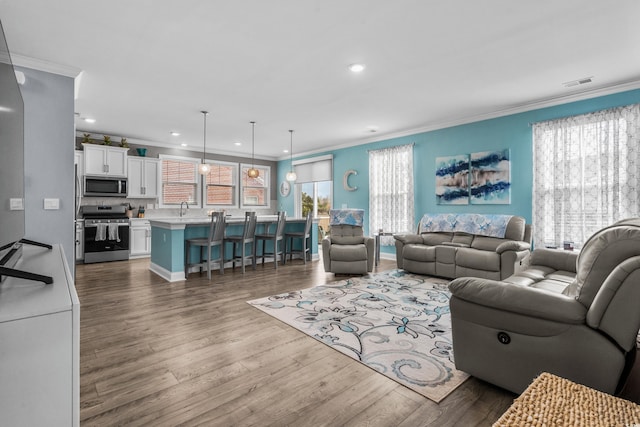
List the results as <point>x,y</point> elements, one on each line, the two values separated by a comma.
<point>326,250</point>
<point>408,238</point>
<point>519,299</point>
<point>557,259</point>
<point>512,245</point>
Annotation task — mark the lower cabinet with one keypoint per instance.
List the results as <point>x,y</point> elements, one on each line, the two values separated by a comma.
<point>139,238</point>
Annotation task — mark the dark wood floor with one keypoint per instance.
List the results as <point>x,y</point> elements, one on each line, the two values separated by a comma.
<point>195,353</point>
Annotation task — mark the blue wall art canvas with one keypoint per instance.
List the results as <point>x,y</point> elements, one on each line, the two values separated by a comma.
<point>452,180</point>
<point>491,178</point>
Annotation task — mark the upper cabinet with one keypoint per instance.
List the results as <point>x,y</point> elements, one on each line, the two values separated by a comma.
<point>102,160</point>
<point>144,176</point>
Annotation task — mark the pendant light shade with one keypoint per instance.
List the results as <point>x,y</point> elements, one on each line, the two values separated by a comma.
<point>204,168</point>
<point>253,172</point>
<point>291,175</point>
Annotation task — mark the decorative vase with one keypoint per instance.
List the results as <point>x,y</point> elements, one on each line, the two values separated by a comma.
<point>141,152</point>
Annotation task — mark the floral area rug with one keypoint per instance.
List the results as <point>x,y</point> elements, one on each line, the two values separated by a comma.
<point>394,322</point>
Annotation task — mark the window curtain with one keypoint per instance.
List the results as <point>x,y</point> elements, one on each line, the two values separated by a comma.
<point>586,174</point>
<point>391,191</point>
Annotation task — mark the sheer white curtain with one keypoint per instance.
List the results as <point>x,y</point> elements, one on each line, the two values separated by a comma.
<point>391,190</point>
<point>586,174</point>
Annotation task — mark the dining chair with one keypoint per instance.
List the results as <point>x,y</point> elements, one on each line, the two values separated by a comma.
<point>247,236</point>
<point>215,238</point>
<point>276,237</point>
<point>304,236</point>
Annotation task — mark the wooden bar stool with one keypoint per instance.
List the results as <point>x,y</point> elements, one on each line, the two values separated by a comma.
<point>276,237</point>
<point>305,237</point>
<point>241,240</point>
<point>215,238</point>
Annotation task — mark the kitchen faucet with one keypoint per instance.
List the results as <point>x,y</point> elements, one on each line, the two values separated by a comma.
<point>181,203</point>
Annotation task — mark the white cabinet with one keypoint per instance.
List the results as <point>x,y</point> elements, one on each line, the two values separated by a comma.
<point>40,344</point>
<point>139,238</point>
<point>144,176</point>
<point>102,160</point>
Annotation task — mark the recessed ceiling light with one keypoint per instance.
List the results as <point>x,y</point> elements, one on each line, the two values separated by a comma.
<point>357,68</point>
<point>372,129</point>
<point>183,144</point>
<point>237,144</point>
<point>175,133</point>
<point>89,120</point>
<point>285,151</point>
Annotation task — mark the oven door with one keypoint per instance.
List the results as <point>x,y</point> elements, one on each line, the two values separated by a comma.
<point>99,244</point>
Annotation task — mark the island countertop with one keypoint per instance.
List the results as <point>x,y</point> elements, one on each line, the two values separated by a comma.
<point>176,223</point>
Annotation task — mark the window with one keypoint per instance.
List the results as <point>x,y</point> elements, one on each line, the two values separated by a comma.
<point>221,187</point>
<point>586,174</point>
<point>180,181</point>
<point>391,191</point>
<point>255,192</point>
<point>314,188</point>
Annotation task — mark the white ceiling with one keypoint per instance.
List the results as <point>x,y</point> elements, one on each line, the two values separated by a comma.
<point>149,66</point>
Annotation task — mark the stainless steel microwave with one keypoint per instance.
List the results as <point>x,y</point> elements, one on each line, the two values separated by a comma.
<point>100,186</point>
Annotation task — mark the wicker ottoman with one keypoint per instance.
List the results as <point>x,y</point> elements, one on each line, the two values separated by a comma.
<point>553,401</point>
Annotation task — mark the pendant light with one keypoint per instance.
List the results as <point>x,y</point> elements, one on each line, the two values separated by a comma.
<point>253,172</point>
<point>204,168</point>
<point>291,175</point>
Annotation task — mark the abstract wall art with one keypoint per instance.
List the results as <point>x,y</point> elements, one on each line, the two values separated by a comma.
<point>490,176</point>
<point>452,180</point>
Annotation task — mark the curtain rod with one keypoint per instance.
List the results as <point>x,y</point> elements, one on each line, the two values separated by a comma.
<point>583,114</point>
<point>394,146</point>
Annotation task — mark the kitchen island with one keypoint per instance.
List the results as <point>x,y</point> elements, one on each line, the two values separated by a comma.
<point>168,236</point>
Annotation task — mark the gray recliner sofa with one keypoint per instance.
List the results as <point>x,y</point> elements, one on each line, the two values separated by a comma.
<point>573,315</point>
<point>462,253</point>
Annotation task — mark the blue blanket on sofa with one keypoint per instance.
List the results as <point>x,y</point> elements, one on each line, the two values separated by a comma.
<point>481,224</point>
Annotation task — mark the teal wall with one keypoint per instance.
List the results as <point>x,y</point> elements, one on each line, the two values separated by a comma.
<point>512,132</point>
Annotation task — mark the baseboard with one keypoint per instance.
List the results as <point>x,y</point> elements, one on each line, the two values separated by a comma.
<point>167,275</point>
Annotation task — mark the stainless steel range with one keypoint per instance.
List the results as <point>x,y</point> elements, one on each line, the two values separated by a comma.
<point>106,233</point>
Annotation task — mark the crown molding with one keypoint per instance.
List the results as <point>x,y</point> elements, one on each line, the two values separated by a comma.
<point>138,141</point>
<point>531,106</point>
<point>47,66</point>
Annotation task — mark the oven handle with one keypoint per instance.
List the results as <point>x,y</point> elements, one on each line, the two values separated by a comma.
<point>120,224</point>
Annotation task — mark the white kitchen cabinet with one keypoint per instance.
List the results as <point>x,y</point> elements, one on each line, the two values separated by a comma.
<point>144,177</point>
<point>139,238</point>
<point>102,160</point>
<point>40,344</point>
<point>79,240</point>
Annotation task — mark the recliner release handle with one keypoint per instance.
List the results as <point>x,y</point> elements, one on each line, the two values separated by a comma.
<point>504,338</point>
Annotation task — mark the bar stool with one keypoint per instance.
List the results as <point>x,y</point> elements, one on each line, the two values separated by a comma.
<point>215,238</point>
<point>241,240</point>
<point>276,237</point>
<point>304,236</point>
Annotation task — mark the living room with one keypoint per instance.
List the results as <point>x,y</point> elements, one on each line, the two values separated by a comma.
<point>193,351</point>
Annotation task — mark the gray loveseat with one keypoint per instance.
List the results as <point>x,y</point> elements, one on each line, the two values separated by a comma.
<point>573,315</point>
<point>458,253</point>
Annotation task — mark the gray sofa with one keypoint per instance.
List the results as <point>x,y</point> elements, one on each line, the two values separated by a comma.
<point>460,254</point>
<point>574,315</point>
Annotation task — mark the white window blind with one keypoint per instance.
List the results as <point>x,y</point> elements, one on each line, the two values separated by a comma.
<point>315,169</point>
<point>179,180</point>
<point>221,187</point>
<point>586,174</point>
<point>255,191</point>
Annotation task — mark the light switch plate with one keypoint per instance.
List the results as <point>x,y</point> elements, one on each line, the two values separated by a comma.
<point>51,204</point>
<point>16,204</point>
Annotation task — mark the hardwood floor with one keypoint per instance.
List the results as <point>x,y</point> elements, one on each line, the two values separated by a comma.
<point>195,353</point>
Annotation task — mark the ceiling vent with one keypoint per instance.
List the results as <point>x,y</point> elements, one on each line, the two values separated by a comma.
<point>581,81</point>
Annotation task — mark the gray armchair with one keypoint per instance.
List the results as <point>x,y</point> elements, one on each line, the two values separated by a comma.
<point>346,250</point>
<point>573,315</point>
